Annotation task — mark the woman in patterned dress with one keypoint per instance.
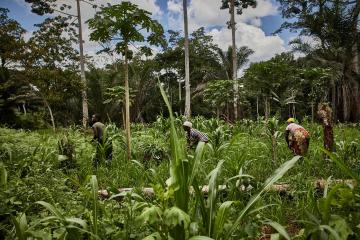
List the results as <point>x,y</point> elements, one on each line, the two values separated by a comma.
<point>297,137</point>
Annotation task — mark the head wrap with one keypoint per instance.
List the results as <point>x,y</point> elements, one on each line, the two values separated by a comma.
<point>291,120</point>
<point>187,124</point>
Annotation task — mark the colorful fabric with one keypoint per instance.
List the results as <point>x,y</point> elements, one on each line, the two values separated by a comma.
<point>292,127</point>
<point>196,136</point>
<point>299,141</point>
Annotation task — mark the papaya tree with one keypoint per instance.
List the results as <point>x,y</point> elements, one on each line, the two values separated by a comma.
<point>125,24</point>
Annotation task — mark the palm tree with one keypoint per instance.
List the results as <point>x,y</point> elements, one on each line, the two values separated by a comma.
<point>226,57</point>
<point>227,63</point>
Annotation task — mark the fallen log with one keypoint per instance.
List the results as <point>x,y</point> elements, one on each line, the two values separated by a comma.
<point>281,188</point>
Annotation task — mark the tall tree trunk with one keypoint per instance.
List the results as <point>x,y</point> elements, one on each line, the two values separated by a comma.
<point>312,112</point>
<point>187,71</point>
<point>355,96</point>
<point>346,107</point>
<point>51,114</point>
<point>85,110</point>
<point>257,107</point>
<point>333,99</point>
<point>24,108</point>
<point>355,85</point>
<point>234,59</point>
<point>312,105</point>
<point>266,108</point>
<point>127,106</point>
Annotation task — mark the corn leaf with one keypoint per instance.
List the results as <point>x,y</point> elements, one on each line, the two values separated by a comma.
<point>268,183</point>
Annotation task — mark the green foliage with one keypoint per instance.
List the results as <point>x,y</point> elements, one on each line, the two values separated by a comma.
<point>219,92</point>
<point>240,167</point>
<point>123,22</point>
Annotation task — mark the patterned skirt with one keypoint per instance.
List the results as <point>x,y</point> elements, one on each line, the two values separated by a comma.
<point>299,141</point>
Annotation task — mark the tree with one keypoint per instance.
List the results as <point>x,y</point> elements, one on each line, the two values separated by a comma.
<point>122,24</point>
<point>226,58</point>
<point>51,62</point>
<point>278,75</point>
<point>82,69</point>
<point>334,26</point>
<point>218,94</point>
<point>41,7</point>
<point>187,71</point>
<point>11,52</point>
<point>226,61</point>
<point>240,5</point>
<point>313,81</point>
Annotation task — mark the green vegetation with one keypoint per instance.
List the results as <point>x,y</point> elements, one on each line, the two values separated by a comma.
<point>56,182</point>
<point>44,198</point>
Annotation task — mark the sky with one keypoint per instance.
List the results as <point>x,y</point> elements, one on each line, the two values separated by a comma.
<point>254,27</point>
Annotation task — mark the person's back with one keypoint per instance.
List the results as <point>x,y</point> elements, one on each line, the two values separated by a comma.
<point>104,145</point>
<point>297,137</point>
<point>193,135</point>
<point>196,135</point>
<point>292,127</point>
<point>98,129</point>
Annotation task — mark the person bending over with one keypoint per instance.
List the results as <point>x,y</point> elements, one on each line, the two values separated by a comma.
<point>194,136</point>
<point>103,144</point>
<point>297,137</point>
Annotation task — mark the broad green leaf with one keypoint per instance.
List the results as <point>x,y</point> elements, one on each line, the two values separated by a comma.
<point>62,157</point>
<point>200,238</point>
<point>342,165</point>
<point>270,181</point>
<point>275,236</point>
<point>331,231</point>
<point>199,152</point>
<point>94,194</point>
<point>340,225</point>
<point>20,227</point>
<point>79,221</point>
<point>178,164</point>
<point>52,209</point>
<point>212,196</point>
<point>176,217</point>
<point>279,228</point>
<point>153,236</point>
<point>150,215</point>
<point>221,218</point>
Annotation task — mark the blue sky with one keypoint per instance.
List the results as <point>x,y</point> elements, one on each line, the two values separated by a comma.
<point>254,26</point>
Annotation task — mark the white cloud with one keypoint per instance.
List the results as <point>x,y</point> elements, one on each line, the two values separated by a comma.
<point>208,13</point>
<point>87,12</point>
<point>203,13</point>
<point>253,37</point>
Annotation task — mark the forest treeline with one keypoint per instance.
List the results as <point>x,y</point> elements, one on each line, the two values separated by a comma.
<point>41,83</point>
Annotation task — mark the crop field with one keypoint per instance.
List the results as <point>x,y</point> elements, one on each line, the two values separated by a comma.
<point>179,120</point>
<point>48,194</point>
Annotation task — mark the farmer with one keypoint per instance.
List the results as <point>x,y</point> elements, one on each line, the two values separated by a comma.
<point>193,135</point>
<point>296,137</point>
<point>103,145</point>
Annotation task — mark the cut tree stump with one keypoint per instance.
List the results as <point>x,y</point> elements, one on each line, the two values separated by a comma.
<point>281,188</point>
